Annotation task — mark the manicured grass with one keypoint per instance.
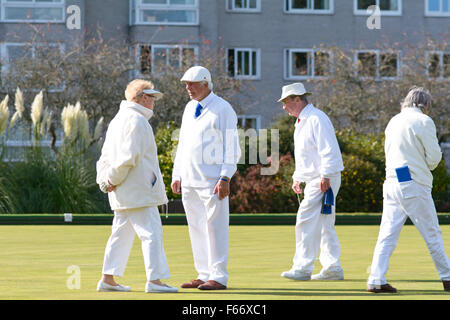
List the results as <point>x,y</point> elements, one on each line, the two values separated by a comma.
<point>34,262</point>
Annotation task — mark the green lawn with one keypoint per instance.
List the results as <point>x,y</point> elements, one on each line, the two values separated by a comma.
<point>34,262</point>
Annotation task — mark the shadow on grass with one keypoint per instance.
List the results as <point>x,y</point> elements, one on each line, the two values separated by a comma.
<point>308,292</point>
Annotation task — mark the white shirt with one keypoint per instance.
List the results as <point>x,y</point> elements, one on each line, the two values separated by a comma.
<point>129,160</point>
<point>316,150</point>
<point>411,141</point>
<point>208,147</point>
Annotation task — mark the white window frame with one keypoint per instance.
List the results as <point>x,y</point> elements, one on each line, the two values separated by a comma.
<point>439,13</point>
<point>164,46</point>
<point>287,57</point>
<point>244,10</point>
<point>290,10</point>
<point>441,64</point>
<point>243,117</point>
<point>359,12</point>
<point>4,58</point>
<point>258,63</point>
<point>33,4</point>
<point>137,5</point>
<point>377,54</point>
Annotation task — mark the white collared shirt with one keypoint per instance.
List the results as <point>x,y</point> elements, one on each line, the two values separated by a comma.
<point>411,141</point>
<point>208,147</point>
<point>317,152</point>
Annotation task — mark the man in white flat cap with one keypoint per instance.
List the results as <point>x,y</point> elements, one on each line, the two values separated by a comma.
<point>128,170</point>
<point>412,151</point>
<point>206,159</point>
<point>318,162</point>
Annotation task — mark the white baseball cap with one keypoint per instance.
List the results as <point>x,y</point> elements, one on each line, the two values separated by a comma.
<point>295,89</point>
<point>158,95</point>
<point>197,74</point>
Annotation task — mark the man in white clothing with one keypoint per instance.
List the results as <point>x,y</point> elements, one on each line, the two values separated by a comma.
<point>128,170</point>
<point>206,159</point>
<point>412,151</point>
<point>318,163</point>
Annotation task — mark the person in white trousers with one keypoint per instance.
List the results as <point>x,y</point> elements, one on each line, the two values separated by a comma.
<point>128,170</point>
<point>318,163</point>
<point>206,159</point>
<point>412,151</point>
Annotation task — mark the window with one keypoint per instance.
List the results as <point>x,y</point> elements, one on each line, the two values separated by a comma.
<point>309,6</point>
<point>11,52</point>
<point>306,63</point>
<point>244,63</point>
<point>168,12</point>
<point>32,10</point>
<point>438,64</point>
<point>244,5</point>
<point>249,122</point>
<point>377,65</point>
<point>387,7</point>
<point>437,8</point>
<point>153,57</point>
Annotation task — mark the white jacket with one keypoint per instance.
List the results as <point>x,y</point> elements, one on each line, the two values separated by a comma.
<point>208,146</point>
<point>411,141</point>
<point>129,160</point>
<point>316,149</point>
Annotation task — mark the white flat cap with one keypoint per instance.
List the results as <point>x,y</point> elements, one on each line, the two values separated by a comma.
<point>158,95</point>
<point>295,89</point>
<point>197,74</point>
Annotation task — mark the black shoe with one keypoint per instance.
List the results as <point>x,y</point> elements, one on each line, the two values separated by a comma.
<point>384,288</point>
<point>446,285</point>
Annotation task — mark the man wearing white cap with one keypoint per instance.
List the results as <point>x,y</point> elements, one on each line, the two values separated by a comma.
<point>412,151</point>
<point>128,170</point>
<point>207,155</point>
<point>318,162</point>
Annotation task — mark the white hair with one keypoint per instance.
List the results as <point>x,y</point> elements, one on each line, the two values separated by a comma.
<point>417,97</point>
<point>210,84</point>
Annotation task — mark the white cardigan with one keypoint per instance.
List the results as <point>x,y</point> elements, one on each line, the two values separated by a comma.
<point>208,147</point>
<point>411,141</point>
<point>129,160</point>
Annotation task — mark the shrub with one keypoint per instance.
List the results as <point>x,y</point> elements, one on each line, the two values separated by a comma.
<point>252,192</point>
<point>167,141</point>
<point>441,188</point>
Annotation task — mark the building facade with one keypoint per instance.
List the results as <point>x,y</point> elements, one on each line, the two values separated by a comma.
<point>268,43</point>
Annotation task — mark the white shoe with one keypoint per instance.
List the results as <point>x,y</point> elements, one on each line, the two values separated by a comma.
<point>329,275</point>
<point>151,287</point>
<point>296,275</point>
<point>104,287</point>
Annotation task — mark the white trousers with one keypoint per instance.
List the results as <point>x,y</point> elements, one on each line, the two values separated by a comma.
<point>402,200</point>
<point>146,223</point>
<point>314,231</point>
<point>208,221</point>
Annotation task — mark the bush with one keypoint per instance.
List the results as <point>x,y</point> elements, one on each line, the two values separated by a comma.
<point>441,188</point>
<point>252,192</point>
<point>167,141</point>
<point>41,184</point>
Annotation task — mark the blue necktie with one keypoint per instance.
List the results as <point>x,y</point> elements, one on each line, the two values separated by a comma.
<point>198,110</point>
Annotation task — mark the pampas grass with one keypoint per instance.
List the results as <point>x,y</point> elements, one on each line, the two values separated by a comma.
<point>4,115</point>
<point>47,181</point>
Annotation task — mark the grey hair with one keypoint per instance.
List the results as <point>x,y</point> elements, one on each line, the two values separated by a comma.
<point>417,97</point>
<point>210,84</point>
